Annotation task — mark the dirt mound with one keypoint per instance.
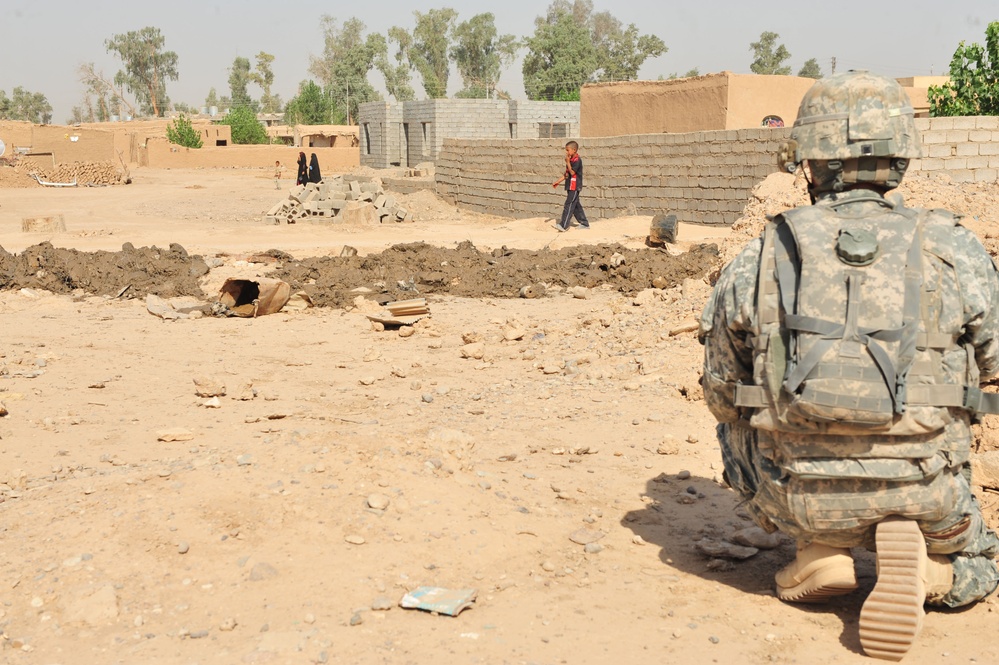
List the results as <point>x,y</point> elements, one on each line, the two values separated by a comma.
<point>978,202</point>
<point>11,178</point>
<point>403,270</point>
<point>166,273</point>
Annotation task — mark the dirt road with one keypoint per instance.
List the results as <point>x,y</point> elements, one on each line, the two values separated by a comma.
<point>564,469</point>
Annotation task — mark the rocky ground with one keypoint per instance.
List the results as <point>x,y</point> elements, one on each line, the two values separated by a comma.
<point>225,490</point>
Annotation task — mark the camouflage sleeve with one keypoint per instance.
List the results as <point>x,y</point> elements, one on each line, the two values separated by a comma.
<point>725,328</point>
<point>979,282</point>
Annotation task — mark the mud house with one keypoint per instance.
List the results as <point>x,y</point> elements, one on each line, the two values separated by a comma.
<point>407,133</point>
<point>712,102</point>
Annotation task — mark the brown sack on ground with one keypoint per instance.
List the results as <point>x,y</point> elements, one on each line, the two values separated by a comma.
<point>254,297</point>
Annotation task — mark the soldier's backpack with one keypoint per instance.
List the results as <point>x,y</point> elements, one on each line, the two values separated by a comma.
<point>850,338</point>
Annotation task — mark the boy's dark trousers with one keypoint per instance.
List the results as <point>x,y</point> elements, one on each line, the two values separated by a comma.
<point>573,208</point>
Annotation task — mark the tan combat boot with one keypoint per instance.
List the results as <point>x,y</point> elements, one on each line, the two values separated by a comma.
<point>939,579</point>
<point>893,614</point>
<point>816,574</point>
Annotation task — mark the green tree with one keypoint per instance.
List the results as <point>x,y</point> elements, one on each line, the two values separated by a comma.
<point>263,76</point>
<point>239,79</point>
<point>481,54</point>
<point>973,88</point>
<point>768,56</point>
<point>810,69</point>
<point>343,67</point>
<point>571,46</point>
<point>310,107</point>
<point>428,53</point>
<point>25,105</point>
<point>694,71</point>
<point>182,132</point>
<point>561,56</point>
<point>621,50</point>
<point>244,126</point>
<point>212,99</point>
<point>397,74</point>
<point>147,67</point>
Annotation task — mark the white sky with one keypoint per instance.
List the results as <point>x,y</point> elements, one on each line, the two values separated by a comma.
<point>42,44</point>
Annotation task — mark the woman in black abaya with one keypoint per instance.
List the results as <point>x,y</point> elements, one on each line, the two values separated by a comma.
<point>303,170</point>
<point>314,174</point>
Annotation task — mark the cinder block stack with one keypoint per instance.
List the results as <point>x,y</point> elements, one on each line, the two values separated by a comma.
<point>338,200</point>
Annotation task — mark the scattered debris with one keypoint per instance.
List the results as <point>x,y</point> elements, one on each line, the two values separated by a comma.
<point>436,599</point>
<point>339,200</point>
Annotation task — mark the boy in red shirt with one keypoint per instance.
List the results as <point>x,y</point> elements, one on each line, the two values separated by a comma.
<point>573,178</point>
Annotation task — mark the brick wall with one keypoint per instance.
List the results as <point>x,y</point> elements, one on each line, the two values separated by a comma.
<point>965,148</point>
<point>407,133</point>
<point>702,177</point>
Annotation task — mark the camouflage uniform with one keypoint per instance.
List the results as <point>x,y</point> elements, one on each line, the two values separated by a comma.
<point>833,489</point>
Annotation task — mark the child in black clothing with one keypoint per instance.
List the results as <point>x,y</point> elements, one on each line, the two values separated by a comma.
<point>573,178</point>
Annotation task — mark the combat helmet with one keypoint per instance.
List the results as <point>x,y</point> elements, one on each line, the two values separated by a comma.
<point>853,127</point>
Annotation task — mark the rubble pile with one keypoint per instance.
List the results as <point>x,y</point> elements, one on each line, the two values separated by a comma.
<point>347,199</point>
<point>84,174</point>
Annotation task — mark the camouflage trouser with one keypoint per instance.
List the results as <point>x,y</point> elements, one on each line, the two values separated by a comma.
<point>843,513</point>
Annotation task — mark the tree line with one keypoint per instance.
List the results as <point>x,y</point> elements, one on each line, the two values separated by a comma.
<point>571,45</point>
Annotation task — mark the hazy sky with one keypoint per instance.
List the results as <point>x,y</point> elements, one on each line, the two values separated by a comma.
<point>43,43</point>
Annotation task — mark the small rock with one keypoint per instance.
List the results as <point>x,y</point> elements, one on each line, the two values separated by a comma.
<point>427,397</point>
<point>212,403</point>
<point>244,460</point>
<point>475,351</point>
<point>548,566</point>
<point>683,475</point>
<point>366,380</point>
<point>593,548</point>
<point>721,548</point>
<point>580,292</point>
<point>357,619</point>
<point>754,536</point>
<point>668,447</point>
<point>183,547</point>
<point>227,625</point>
<point>354,539</point>
<point>198,634</point>
<point>174,434</point>
<point>208,387</point>
<point>586,536</point>
<point>378,501</point>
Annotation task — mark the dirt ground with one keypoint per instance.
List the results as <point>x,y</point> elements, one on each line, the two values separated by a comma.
<point>553,454</point>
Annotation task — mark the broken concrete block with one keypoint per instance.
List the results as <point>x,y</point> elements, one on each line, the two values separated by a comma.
<point>359,213</point>
<point>380,201</point>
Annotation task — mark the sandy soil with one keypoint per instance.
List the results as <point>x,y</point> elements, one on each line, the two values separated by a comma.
<point>283,521</point>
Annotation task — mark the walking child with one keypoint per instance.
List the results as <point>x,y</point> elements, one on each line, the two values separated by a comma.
<point>573,179</point>
<point>277,173</point>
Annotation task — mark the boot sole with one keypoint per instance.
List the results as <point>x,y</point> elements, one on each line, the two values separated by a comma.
<point>893,614</point>
<point>821,586</point>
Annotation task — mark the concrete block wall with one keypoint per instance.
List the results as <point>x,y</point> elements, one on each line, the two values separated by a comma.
<point>407,133</point>
<point>702,177</point>
<point>379,134</point>
<point>527,116</point>
<point>965,148</point>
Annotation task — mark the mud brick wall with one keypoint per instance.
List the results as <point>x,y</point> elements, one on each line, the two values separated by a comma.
<point>702,177</point>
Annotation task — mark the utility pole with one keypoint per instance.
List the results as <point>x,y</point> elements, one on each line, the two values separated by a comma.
<point>833,65</point>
